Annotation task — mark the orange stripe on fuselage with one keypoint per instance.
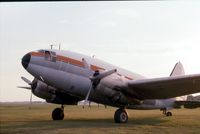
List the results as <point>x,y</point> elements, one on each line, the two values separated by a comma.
<point>69,60</point>
<point>37,54</point>
<point>94,68</point>
<point>74,62</point>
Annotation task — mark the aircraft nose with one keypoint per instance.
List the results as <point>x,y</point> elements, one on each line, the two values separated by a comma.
<point>25,60</point>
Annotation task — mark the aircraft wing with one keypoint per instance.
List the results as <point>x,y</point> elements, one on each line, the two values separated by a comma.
<point>163,88</point>
<point>187,104</point>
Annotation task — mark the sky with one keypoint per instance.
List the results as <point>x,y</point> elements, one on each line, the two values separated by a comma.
<point>146,37</point>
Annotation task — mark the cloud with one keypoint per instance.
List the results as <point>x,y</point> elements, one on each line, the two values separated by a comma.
<point>127,12</point>
<point>109,23</point>
<point>64,21</point>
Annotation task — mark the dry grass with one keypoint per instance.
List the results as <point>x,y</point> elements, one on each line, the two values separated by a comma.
<point>17,118</point>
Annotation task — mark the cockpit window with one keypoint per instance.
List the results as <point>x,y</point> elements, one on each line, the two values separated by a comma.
<point>50,56</point>
<point>41,51</point>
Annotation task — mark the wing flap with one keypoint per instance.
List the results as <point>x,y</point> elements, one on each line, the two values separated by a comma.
<point>163,88</point>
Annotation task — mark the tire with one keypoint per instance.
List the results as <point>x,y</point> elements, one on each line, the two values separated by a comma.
<point>168,114</point>
<point>121,116</point>
<point>57,114</point>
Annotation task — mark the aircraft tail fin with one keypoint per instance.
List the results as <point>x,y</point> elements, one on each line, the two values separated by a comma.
<point>178,70</point>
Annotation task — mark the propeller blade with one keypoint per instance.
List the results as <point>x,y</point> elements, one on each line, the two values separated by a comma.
<point>94,79</point>
<point>31,100</point>
<point>29,83</point>
<point>29,88</point>
<point>87,96</point>
<point>103,75</point>
<point>26,80</point>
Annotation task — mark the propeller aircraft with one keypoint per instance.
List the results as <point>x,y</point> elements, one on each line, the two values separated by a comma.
<point>65,78</point>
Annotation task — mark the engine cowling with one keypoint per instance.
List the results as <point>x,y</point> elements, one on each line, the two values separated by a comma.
<point>51,94</point>
<point>42,90</point>
<point>110,87</point>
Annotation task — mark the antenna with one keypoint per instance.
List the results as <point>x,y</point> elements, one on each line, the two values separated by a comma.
<point>59,46</point>
<point>55,45</point>
<point>51,46</point>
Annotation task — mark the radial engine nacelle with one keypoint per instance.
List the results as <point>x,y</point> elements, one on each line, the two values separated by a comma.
<point>51,94</point>
<point>42,90</point>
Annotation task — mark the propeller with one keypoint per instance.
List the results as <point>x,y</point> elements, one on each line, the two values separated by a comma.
<point>26,80</point>
<point>31,100</point>
<point>87,96</point>
<point>95,79</point>
<point>29,88</point>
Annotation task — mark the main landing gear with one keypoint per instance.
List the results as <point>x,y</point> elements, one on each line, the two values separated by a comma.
<point>58,113</point>
<point>165,112</point>
<point>121,116</point>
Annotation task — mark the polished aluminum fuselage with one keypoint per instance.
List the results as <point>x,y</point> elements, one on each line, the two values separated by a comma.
<point>68,73</point>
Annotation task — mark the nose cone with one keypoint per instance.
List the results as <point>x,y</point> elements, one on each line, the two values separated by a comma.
<point>26,60</point>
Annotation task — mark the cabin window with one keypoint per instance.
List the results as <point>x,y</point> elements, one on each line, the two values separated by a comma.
<point>50,56</point>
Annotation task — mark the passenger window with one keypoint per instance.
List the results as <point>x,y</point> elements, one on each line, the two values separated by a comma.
<point>50,56</point>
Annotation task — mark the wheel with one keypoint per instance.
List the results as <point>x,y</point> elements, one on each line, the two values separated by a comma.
<point>58,114</point>
<point>169,114</point>
<point>121,116</point>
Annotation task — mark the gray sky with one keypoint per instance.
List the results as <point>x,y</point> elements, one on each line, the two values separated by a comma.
<point>146,37</point>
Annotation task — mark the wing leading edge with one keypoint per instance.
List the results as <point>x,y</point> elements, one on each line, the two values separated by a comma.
<point>163,88</point>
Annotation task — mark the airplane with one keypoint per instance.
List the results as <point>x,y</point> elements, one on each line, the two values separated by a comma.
<point>66,77</point>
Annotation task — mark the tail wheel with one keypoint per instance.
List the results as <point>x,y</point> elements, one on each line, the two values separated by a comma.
<point>121,116</point>
<point>58,114</point>
<point>169,114</point>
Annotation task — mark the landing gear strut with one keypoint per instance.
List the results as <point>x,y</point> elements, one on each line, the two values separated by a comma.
<point>165,112</point>
<point>58,113</point>
<point>121,116</point>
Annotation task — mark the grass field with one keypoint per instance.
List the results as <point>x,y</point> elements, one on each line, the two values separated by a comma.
<point>18,118</point>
